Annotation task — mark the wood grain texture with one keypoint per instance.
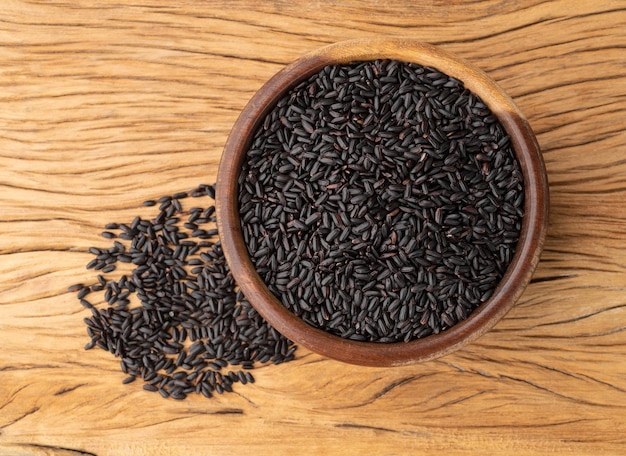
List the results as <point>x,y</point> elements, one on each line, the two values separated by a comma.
<point>107,104</point>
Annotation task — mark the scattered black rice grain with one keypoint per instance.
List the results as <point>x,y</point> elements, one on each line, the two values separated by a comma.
<point>176,319</point>
<point>381,201</point>
<point>75,287</point>
<point>84,291</point>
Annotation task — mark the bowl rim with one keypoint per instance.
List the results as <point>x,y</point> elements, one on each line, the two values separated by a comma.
<point>484,317</point>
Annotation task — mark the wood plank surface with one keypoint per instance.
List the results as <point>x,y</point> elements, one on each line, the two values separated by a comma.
<point>107,104</point>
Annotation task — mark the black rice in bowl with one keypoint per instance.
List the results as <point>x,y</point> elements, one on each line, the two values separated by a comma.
<point>381,201</point>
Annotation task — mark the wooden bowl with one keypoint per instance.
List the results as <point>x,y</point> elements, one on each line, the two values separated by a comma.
<point>482,318</point>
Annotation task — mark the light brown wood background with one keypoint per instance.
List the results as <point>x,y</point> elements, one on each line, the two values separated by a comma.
<point>105,104</point>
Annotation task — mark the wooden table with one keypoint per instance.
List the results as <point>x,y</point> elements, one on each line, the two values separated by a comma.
<point>106,104</point>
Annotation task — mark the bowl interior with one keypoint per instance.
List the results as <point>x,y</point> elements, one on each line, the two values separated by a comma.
<point>482,318</point>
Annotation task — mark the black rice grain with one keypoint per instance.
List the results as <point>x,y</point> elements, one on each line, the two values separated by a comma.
<point>75,287</point>
<point>177,317</point>
<point>381,201</point>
